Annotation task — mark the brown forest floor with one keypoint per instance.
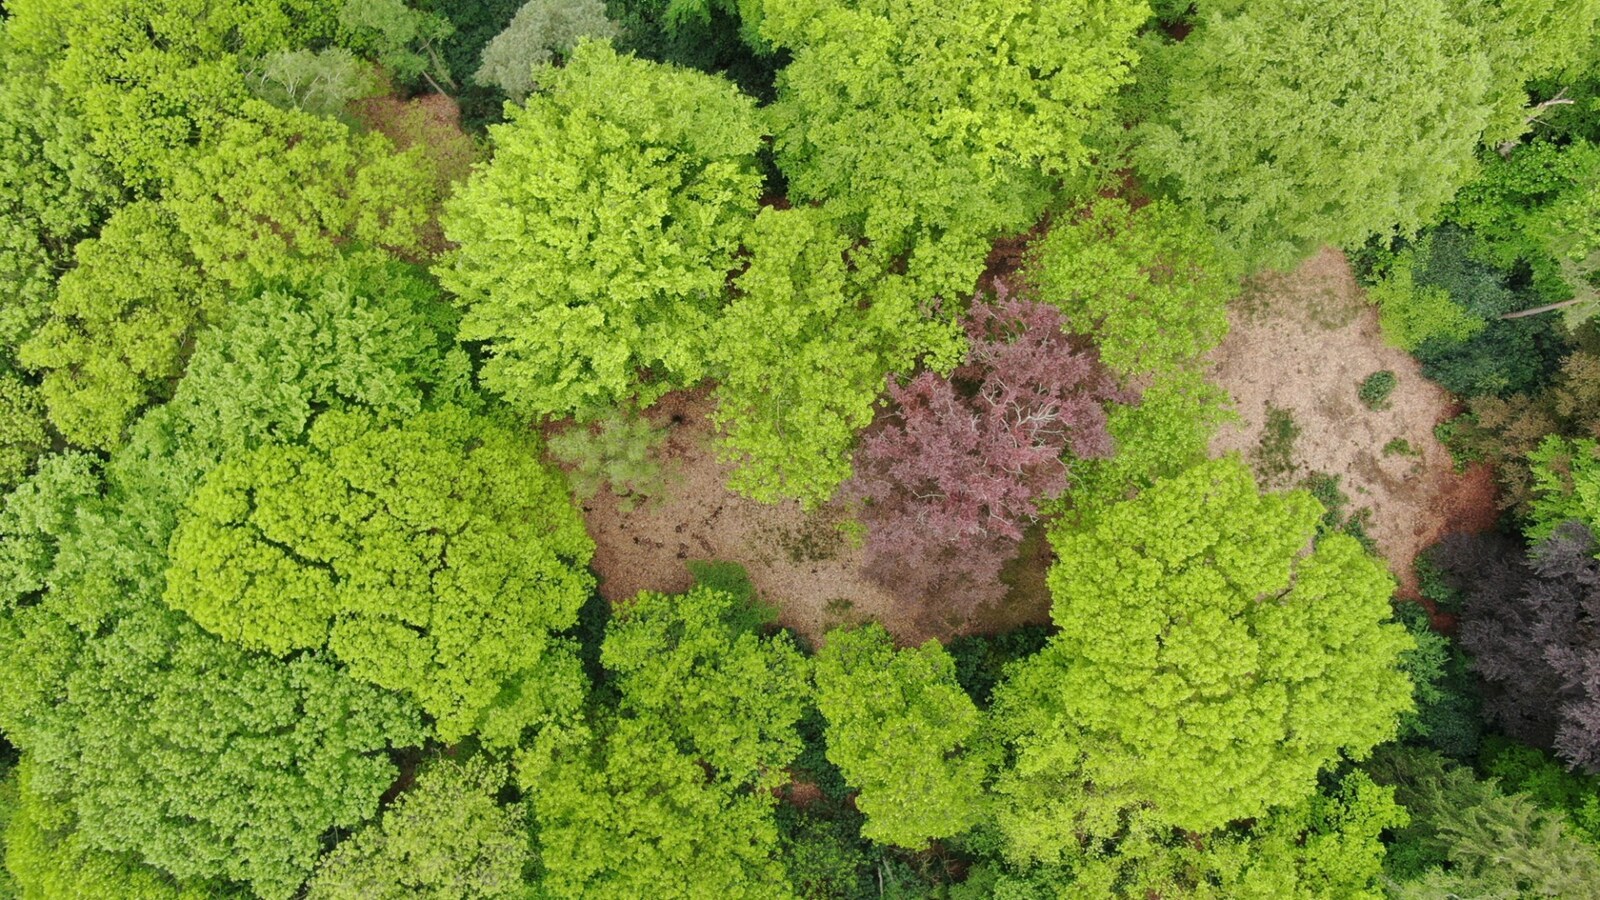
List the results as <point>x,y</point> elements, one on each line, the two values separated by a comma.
<point>1301,341</point>
<point>800,562</point>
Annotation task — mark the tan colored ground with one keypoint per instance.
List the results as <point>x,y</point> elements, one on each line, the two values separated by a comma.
<point>798,561</point>
<point>1303,342</point>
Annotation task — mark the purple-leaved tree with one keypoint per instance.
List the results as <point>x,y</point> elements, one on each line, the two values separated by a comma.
<point>1534,630</point>
<point>954,472</point>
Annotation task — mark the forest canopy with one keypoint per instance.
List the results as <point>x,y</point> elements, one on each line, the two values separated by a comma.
<point>781,448</point>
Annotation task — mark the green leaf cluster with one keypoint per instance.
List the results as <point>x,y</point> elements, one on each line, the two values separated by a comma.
<point>595,246</point>
<point>803,351</point>
<point>432,558</point>
<point>1297,123</point>
<point>903,732</point>
<point>1150,285</point>
<point>938,126</point>
<point>1206,666</point>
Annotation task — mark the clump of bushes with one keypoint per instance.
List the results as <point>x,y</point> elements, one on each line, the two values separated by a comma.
<point>1376,388</point>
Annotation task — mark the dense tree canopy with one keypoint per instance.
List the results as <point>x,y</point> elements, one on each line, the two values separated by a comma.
<point>1295,123</point>
<point>939,125</point>
<point>1205,665</point>
<point>902,730</point>
<point>432,558</point>
<point>595,247</point>
<point>394,393</point>
<point>790,396</point>
<point>1150,284</point>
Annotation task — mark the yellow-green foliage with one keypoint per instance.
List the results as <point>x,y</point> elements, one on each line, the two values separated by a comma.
<point>925,782</point>
<point>1207,666</point>
<point>1150,285</point>
<point>1297,123</point>
<point>432,558</point>
<point>803,351</point>
<point>595,246</point>
<point>23,435</point>
<point>937,124</point>
<point>118,325</point>
<point>1411,315</point>
<point>445,837</point>
<point>278,187</point>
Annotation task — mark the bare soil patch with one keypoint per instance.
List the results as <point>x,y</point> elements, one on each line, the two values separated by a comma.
<point>1303,342</point>
<point>801,562</point>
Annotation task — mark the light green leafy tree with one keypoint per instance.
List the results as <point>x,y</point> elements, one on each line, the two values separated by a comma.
<point>1207,665</point>
<point>1297,123</point>
<point>1528,40</point>
<point>627,813</point>
<point>432,558</point>
<point>280,186</point>
<point>669,794</point>
<point>695,665</point>
<point>155,78</point>
<point>937,125</point>
<point>1168,430</point>
<point>23,433</point>
<point>902,731</point>
<point>167,744</point>
<point>363,331</point>
<point>539,32</point>
<point>1150,285</point>
<point>118,325</point>
<point>446,837</point>
<point>595,246</point>
<point>1566,485</point>
<point>47,857</point>
<point>1329,846</point>
<point>803,351</point>
<point>53,192</point>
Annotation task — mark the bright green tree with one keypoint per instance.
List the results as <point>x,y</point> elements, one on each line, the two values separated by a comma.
<point>595,246</point>
<point>940,125</point>
<point>1150,285</point>
<point>1295,123</point>
<point>669,793</point>
<point>118,325</point>
<point>446,837</point>
<point>432,558</point>
<point>803,351</point>
<point>1566,484</point>
<point>154,78</point>
<point>23,433</point>
<point>627,813</point>
<point>166,743</point>
<point>280,186</point>
<point>695,665</point>
<point>47,857</point>
<point>1329,846</point>
<point>1206,665</point>
<point>902,731</point>
<point>1168,430</point>
<point>53,192</point>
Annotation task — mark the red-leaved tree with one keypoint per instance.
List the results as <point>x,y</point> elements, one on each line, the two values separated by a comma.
<point>955,472</point>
